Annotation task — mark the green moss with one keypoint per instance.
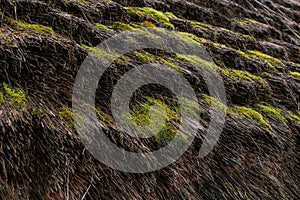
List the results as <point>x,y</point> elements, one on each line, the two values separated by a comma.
<point>16,95</point>
<point>66,114</point>
<point>35,27</point>
<point>140,115</point>
<point>273,113</point>
<point>241,75</point>
<point>121,26</point>
<point>295,74</point>
<point>295,117</point>
<point>98,52</point>
<point>201,25</point>
<point>170,15</point>
<point>144,56</point>
<point>2,101</point>
<point>216,103</point>
<point>245,55</point>
<point>141,13</point>
<point>103,27</point>
<point>190,38</point>
<point>172,65</point>
<point>148,24</point>
<point>195,60</point>
<point>36,112</point>
<point>252,114</point>
<point>245,21</point>
<point>273,62</point>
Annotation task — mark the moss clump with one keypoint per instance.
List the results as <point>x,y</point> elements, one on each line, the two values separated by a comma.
<point>252,114</point>
<point>195,60</point>
<point>273,113</point>
<point>35,27</point>
<point>103,27</point>
<point>16,95</point>
<point>295,74</point>
<point>272,62</point>
<point>141,13</point>
<point>241,75</point>
<point>66,114</point>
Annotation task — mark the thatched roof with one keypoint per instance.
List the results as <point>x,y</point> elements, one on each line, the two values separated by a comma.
<point>256,48</point>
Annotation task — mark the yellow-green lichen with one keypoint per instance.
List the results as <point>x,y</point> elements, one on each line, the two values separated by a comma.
<point>295,74</point>
<point>141,13</point>
<point>273,112</point>
<point>103,27</point>
<point>252,114</point>
<point>16,95</point>
<point>35,27</point>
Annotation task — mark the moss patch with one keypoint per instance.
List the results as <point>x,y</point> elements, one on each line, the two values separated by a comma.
<point>145,56</point>
<point>245,21</point>
<point>121,26</point>
<point>141,117</point>
<point>66,114</point>
<point>103,27</point>
<point>2,101</point>
<point>295,116</point>
<point>295,74</point>
<point>195,60</point>
<point>271,60</point>
<point>98,52</point>
<point>190,38</point>
<point>252,114</point>
<point>241,75</point>
<point>35,27</point>
<point>16,95</point>
<point>170,15</point>
<point>216,103</point>
<point>141,13</point>
<point>273,113</point>
<point>201,25</point>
